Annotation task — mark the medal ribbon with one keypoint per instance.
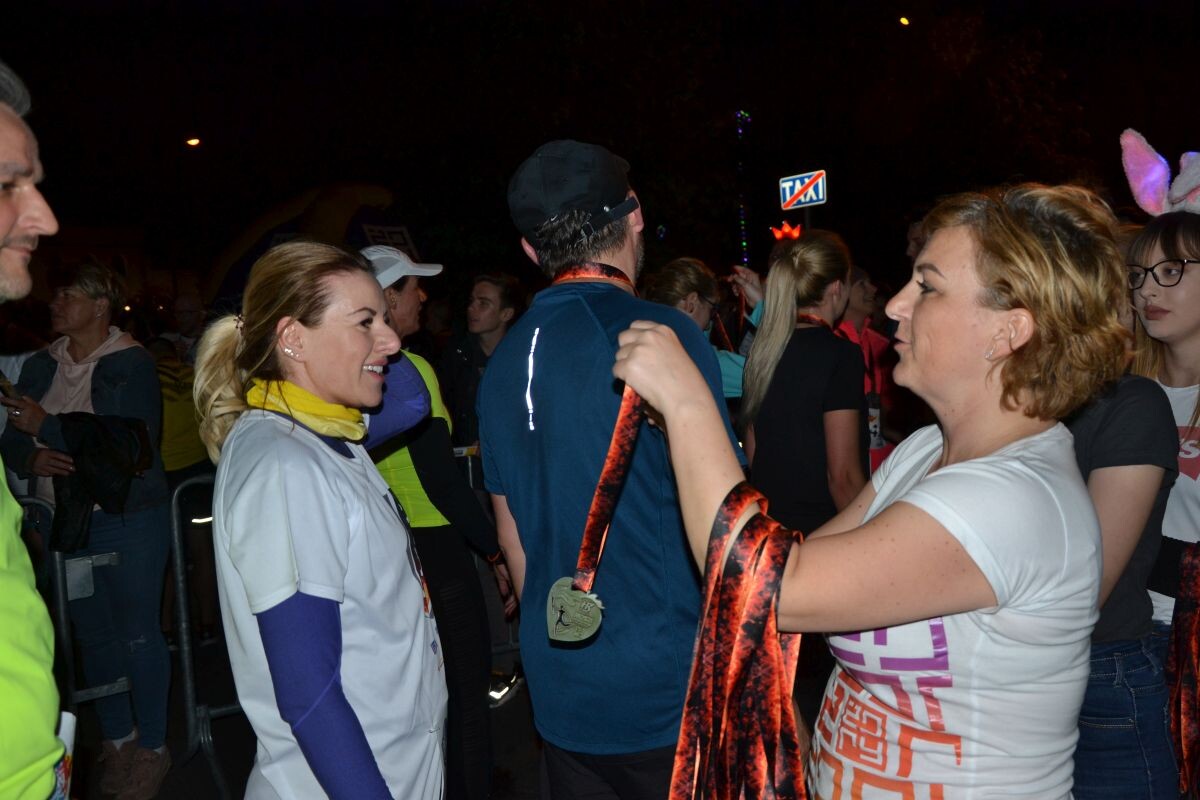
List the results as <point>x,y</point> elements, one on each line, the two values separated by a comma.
<point>593,270</point>
<point>812,319</point>
<point>725,343</point>
<point>739,736</point>
<point>1183,669</point>
<point>620,448</point>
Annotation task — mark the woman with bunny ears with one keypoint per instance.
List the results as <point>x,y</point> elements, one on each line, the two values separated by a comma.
<point>1164,276</point>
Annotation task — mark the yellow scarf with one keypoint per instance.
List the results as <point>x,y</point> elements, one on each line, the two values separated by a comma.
<point>327,419</point>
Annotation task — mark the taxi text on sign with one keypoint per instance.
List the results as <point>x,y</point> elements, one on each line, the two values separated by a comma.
<point>806,189</point>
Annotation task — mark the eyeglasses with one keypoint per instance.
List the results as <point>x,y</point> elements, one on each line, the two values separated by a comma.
<point>1171,274</point>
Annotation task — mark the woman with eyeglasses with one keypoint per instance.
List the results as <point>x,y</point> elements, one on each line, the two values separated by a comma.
<point>1164,276</point>
<point>963,579</point>
<point>1125,447</point>
<point>689,285</point>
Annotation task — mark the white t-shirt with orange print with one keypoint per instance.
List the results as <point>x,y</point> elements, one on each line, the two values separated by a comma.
<point>981,704</point>
<point>1182,518</point>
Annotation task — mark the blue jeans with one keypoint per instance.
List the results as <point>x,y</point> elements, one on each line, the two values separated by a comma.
<point>117,627</point>
<point>1125,749</point>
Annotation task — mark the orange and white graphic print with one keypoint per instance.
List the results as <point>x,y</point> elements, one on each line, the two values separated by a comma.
<point>881,731</point>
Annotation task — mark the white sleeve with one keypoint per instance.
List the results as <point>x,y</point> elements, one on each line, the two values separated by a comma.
<point>1006,517</point>
<point>287,526</point>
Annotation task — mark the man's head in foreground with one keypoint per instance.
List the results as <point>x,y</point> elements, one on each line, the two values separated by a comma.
<point>24,214</point>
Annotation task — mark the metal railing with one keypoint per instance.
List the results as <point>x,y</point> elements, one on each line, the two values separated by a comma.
<point>198,716</point>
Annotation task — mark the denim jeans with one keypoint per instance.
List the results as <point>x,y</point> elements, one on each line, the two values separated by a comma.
<point>117,627</point>
<point>1125,749</point>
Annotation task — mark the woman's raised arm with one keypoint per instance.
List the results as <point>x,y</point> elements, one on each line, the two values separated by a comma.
<point>654,363</point>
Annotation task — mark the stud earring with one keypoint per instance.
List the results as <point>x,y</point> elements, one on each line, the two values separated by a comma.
<point>289,352</point>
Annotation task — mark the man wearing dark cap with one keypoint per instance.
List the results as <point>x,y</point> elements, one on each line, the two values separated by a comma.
<point>607,704</point>
<point>28,697</point>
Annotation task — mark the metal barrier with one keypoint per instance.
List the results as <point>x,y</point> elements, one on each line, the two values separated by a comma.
<point>71,579</point>
<point>198,716</point>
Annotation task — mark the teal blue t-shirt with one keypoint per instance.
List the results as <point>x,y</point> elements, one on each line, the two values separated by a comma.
<point>546,408</point>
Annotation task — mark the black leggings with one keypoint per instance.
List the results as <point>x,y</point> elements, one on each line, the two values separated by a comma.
<point>467,647</point>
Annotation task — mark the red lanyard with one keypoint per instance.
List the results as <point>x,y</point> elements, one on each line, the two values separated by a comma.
<point>813,319</point>
<point>591,270</point>
<point>608,489</point>
<point>620,448</point>
<point>573,613</point>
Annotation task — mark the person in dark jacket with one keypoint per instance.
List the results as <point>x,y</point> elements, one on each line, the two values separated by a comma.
<point>97,368</point>
<point>494,306</point>
<point>445,517</point>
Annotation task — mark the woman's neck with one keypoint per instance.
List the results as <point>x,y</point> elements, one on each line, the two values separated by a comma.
<point>813,313</point>
<point>1181,364</point>
<point>83,344</point>
<point>976,432</point>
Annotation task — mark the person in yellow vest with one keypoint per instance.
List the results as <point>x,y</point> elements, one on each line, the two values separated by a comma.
<point>185,457</point>
<point>29,748</point>
<point>444,515</point>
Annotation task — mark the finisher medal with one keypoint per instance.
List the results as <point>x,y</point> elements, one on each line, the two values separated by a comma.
<point>572,615</point>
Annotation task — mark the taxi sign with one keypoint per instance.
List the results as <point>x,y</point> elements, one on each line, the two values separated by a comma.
<point>806,189</point>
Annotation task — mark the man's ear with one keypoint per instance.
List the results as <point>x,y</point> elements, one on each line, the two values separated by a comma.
<point>103,306</point>
<point>690,301</point>
<point>529,251</point>
<point>637,221</point>
<point>506,314</point>
<point>391,297</point>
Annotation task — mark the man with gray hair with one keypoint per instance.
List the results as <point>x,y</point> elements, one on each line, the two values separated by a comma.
<point>29,748</point>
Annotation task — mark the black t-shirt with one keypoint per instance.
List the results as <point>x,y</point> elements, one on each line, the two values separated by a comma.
<point>818,372</point>
<point>1130,423</point>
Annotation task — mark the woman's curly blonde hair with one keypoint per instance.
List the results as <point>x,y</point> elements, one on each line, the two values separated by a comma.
<point>1052,251</point>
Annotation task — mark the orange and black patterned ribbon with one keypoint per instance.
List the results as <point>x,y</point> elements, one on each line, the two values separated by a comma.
<point>608,489</point>
<point>739,737</point>
<point>620,448</point>
<point>724,343</point>
<point>1183,671</point>
<point>591,271</point>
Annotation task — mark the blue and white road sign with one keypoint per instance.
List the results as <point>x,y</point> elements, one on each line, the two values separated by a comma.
<point>806,189</point>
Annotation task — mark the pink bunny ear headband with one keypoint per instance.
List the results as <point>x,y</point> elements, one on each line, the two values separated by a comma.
<point>1150,177</point>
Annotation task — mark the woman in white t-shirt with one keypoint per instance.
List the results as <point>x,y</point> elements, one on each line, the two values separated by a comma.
<point>1164,276</point>
<point>333,644</point>
<point>965,575</point>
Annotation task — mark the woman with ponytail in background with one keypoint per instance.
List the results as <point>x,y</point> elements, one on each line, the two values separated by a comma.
<point>803,409</point>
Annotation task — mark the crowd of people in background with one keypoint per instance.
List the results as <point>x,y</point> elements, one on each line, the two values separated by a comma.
<point>1007,599</point>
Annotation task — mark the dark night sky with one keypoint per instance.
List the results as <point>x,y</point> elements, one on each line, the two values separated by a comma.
<point>441,102</point>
